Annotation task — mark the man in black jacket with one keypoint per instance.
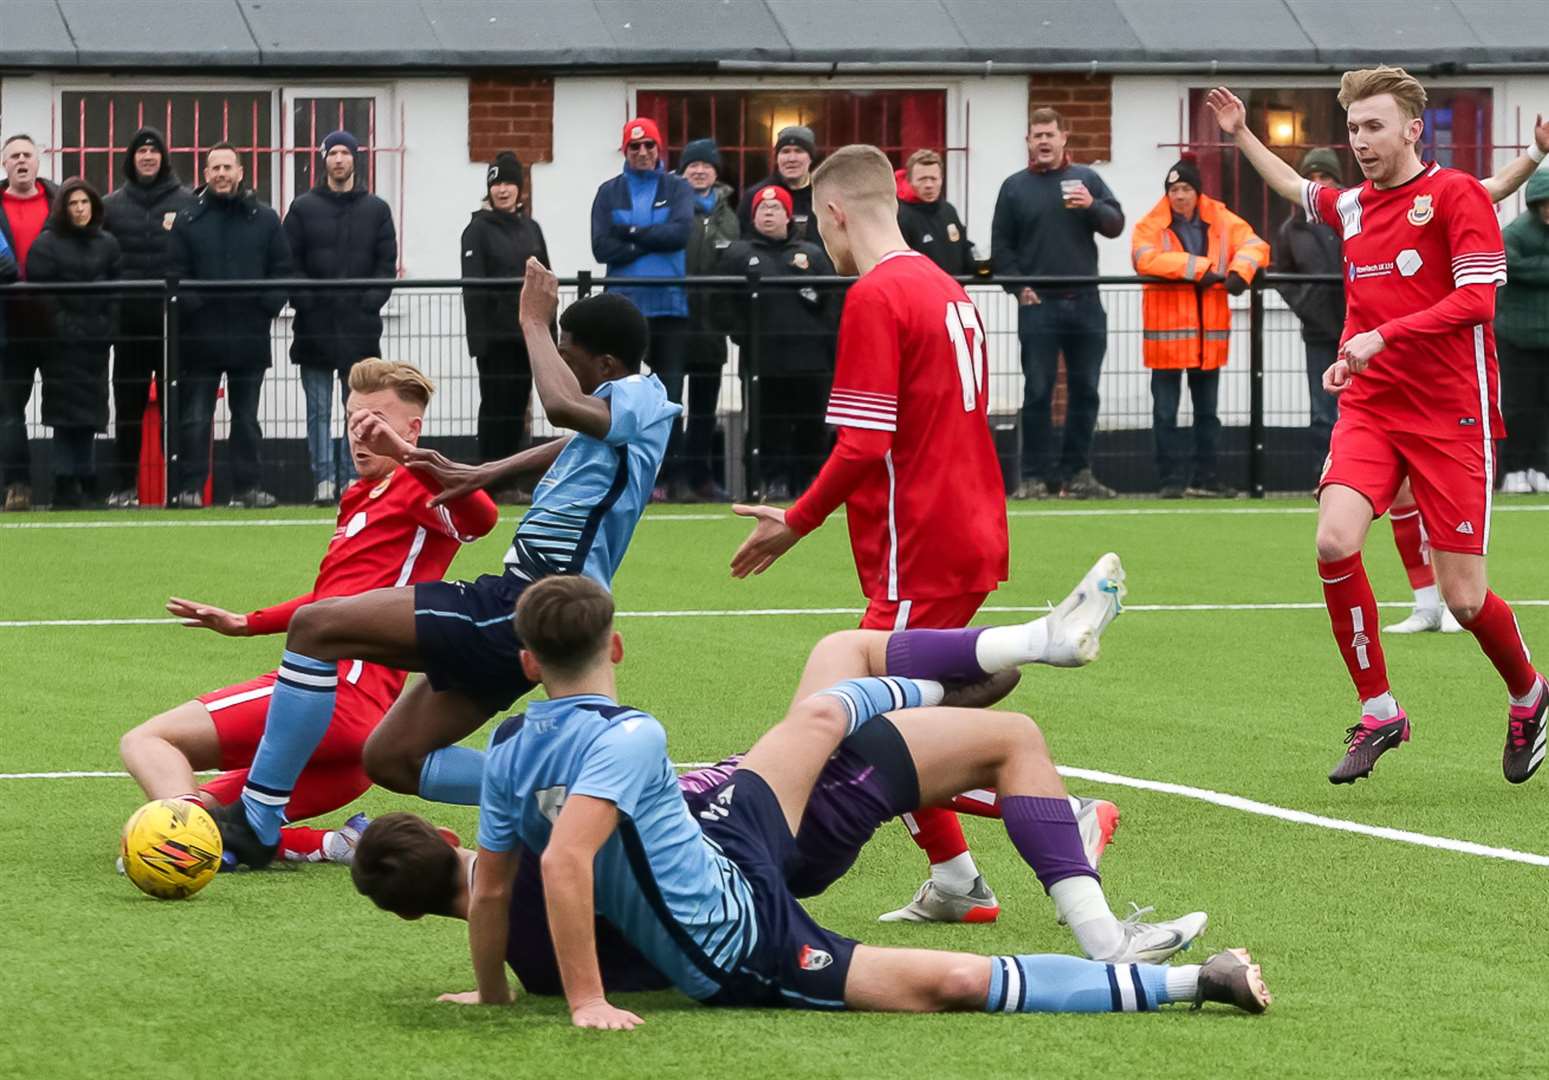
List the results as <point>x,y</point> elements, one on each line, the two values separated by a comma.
<point>139,215</point>
<point>793,354</point>
<point>336,230</point>
<point>929,223</point>
<point>796,152</point>
<point>497,243</point>
<point>227,234</point>
<point>1306,248</point>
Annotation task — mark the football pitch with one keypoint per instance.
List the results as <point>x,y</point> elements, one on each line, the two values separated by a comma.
<point>1408,945</point>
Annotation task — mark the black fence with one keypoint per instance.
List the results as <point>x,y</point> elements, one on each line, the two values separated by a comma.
<point>234,413</point>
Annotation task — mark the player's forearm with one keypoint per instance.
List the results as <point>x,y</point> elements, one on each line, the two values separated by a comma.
<point>1512,176</point>
<point>535,459</point>
<point>567,888</point>
<point>1279,175</point>
<point>558,389</point>
<point>487,930</point>
<point>841,474</point>
<point>275,619</point>
<point>1468,305</point>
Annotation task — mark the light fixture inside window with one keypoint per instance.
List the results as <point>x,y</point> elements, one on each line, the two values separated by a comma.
<point>1282,126</point>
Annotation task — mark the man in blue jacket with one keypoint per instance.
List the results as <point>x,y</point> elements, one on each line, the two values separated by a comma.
<point>642,220</point>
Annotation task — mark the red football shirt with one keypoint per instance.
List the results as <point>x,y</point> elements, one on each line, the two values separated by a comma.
<point>386,537</point>
<point>1422,263</point>
<point>915,463</point>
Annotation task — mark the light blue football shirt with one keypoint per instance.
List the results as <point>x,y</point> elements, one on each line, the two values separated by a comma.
<point>668,889</point>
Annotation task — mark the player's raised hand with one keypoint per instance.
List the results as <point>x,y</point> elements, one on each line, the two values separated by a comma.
<point>1229,110</point>
<point>1541,134</point>
<point>771,538</point>
<point>1358,351</point>
<point>454,478</point>
<point>540,295</point>
<point>1336,379</point>
<point>372,431</point>
<point>604,1017</point>
<point>208,616</point>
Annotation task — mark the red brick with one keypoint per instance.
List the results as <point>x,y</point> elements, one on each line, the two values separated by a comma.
<point>506,111</point>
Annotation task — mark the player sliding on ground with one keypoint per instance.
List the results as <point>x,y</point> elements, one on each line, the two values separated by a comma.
<point>460,634</point>
<point>587,785</point>
<point>386,536</point>
<point>914,464</point>
<point>1418,381</point>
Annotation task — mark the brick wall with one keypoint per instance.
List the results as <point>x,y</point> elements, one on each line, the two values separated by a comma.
<point>511,113</point>
<point>1086,102</point>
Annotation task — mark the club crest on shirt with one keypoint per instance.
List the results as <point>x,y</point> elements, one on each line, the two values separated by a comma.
<point>377,492</point>
<point>1421,212</point>
<point>800,260</point>
<point>952,233</point>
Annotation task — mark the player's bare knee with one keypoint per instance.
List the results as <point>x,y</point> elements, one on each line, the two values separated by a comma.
<point>965,985</point>
<point>312,628</point>
<point>1336,542</point>
<point>1024,733</point>
<point>821,716</point>
<point>1465,609</point>
<point>389,766</point>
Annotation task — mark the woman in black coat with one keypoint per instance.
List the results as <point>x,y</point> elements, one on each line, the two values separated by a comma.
<point>74,248</point>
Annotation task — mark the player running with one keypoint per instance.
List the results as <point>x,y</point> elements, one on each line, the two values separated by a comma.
<point>386,536</point>
<point>1418,381</point>
<point>586,784</point>
<point>460,634</point>
<point>914,464</point>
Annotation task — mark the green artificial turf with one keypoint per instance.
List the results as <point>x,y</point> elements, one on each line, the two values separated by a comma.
<point>1386,959</point>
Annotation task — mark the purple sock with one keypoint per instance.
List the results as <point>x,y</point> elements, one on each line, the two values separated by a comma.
<point>942,655</point>
<point>1044,833</point>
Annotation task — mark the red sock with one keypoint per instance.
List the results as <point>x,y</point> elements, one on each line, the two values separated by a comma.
<point>298,843</point>
<point>1496,630</point>
<point>1353,611</point>
<point>938,833</point>
<point>1414,547</point>
<point>981,802</point>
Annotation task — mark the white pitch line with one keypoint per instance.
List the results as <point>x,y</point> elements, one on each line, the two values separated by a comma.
<point>734,613</point>
<point>1096,776</point>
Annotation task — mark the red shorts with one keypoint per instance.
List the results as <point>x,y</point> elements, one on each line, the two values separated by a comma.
<point>937,613</point>
<point>1452,478</point>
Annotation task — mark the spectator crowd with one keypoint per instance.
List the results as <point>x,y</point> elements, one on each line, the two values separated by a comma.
<point>652,221</point>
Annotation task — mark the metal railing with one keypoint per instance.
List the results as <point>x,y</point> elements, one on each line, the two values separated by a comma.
<point>757,353</point>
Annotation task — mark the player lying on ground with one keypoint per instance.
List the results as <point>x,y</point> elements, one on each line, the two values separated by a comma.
<point>386,535</point>
<point>1409,535</point>
<point>460,634</point>
<point>1419,386</point>
<point>873,777</point>
<point>587,785</point>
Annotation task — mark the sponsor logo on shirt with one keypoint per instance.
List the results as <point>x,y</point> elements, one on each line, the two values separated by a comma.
<point>1408,262</point>
<point>1370,270</point>
<point>1421,212</point>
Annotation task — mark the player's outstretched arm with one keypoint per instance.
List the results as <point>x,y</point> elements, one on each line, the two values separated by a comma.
<point>1516,172</point>
<point>208,616</point>
<point>489,905</point>
<point>458,480</point>
<point>558,389</point>
<point>1232,115</point>
<point>770,539</point>
<point>583,826</point>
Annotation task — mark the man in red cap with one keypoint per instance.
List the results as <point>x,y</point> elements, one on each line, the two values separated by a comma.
<point>642,220</point>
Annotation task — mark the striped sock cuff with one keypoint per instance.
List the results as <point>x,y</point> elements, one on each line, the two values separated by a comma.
<point>1129,993</point>
<point>305,673</point>
<point>869,697</point>
<point>1008,985</point>
<point>265,794</point>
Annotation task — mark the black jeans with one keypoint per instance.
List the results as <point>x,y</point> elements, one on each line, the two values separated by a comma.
<point>1524,407</point>
<point>137,355</point>
<point>1171,442</point>
<point>196,417</point>
<point>690,453</point>
<point>1072,323</point>
<point>505,385</point>
<point>1324,405</point>
<point>789,428</point>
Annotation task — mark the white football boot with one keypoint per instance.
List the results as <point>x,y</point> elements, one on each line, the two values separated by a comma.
<point>1077,623</point>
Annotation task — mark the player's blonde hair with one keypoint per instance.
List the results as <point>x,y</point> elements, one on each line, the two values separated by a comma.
<point>859,174</point>
<point>412,385</point>
<point>1369,82</point>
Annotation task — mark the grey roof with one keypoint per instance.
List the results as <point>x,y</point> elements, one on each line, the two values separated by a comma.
<point>904,34</point>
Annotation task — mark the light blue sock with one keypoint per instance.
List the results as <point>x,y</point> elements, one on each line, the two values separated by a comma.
<point>299,714</point>
<point>452,774</point>
<point>873,696</point>
<point>1047,983</point>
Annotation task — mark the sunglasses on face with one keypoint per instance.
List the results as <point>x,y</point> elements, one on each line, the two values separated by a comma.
<point>643,144</point>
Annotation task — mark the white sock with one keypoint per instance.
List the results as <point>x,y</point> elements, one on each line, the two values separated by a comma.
<point>957,874</point>
<point>1183,982</point>
<point>1383,707</point>
<point>931,693</point>
<point>1001,648</point>
<point>1529,700</point>
<point>1427,599</point>
<point>1082,906</point>
<point>335,847</point>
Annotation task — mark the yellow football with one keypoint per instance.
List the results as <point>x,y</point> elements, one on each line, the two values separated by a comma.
<point>171,848</point>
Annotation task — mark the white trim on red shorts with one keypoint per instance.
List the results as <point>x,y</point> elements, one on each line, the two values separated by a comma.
<point>1482,374</point>
<point>240,698</point>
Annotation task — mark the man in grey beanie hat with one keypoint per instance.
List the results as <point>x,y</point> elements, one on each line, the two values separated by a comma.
<point>795,153</point>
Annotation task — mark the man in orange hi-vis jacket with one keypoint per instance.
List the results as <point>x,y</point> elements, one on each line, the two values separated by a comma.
<point>1193,239</point>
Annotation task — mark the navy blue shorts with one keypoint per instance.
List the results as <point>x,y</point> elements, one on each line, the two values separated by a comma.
<point>797,964</point>
<point>466,635</point>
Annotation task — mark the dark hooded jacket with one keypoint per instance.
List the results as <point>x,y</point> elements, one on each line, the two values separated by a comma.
<point>75,370</point>
<point>339,234</point>
<point>934,230</point>
<point>497,244</point>
<point>236,238</point>
<point>796,326</point>
<point>140,213</point>
<point>1303,247</point>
